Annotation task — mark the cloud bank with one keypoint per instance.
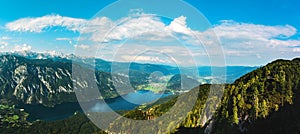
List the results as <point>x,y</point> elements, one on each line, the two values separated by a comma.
<point>239,40</point>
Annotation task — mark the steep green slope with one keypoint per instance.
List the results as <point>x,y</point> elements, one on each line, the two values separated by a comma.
<point>78,124</point>
<point>10,117</point>
<point>193,117</point>
<point>266,100</point>
<point>257,97</point>
<point>260,96</point>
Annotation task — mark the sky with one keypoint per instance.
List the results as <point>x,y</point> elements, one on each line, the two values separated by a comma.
<point>190,32</point>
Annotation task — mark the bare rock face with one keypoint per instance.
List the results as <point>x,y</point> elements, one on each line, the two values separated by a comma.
<point>42,81</point>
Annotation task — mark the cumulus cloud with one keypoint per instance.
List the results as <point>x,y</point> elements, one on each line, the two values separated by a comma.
<point>97,25</point>
<point>41,23</point>
<point>153,28</point>
<point>144,27</point>
<point>232,29</point>
<point>179,25</point>
<point>245,37</point>
<point>237,39</point>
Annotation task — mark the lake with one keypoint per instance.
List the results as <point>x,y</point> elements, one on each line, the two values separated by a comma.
<point>65,110</point>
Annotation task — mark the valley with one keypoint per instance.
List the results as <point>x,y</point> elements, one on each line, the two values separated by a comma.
<point>43,87</point>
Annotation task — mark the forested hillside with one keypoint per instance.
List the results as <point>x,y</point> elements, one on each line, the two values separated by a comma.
<point>266,100</point>
<point>269,94</point>
<point>256,102</point>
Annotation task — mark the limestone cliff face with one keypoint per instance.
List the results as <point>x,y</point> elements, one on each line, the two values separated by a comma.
<point>43,81</point>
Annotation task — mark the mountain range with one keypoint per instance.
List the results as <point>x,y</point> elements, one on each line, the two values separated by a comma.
<point>265,100</point>
<point>36,78</point>
<point>49,81</point>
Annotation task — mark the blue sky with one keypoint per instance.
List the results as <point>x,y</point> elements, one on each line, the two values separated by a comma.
<point>250,32</point>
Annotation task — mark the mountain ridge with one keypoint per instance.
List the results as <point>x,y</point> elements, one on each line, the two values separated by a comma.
<point>231,116</point>
<point>246,103</point>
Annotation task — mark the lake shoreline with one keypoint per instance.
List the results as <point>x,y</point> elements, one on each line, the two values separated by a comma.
<point>68,109</point>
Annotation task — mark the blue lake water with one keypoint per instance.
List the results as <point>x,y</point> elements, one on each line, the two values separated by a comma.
<point>126,102</point>
<point>64,110</point>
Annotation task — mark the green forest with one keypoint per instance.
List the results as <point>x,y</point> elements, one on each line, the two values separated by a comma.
<point>266,100</point>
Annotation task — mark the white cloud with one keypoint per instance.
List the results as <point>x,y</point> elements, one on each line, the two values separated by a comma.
<point>144,27</point>
<point>237,39</point>
<point>151,27</point>
<point>41,23</point>
<point>82,46</point>
<point>63,39</point>
<point>232,53</point>
<point>232,29</point>
<point>244,39</point>
<point>251,35</point>
<point>179,25</point>
<point>22,48</point>
<point>97,25</point>
<point>172,54</point>
<point>144,58</point>
<point>5,38</point>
